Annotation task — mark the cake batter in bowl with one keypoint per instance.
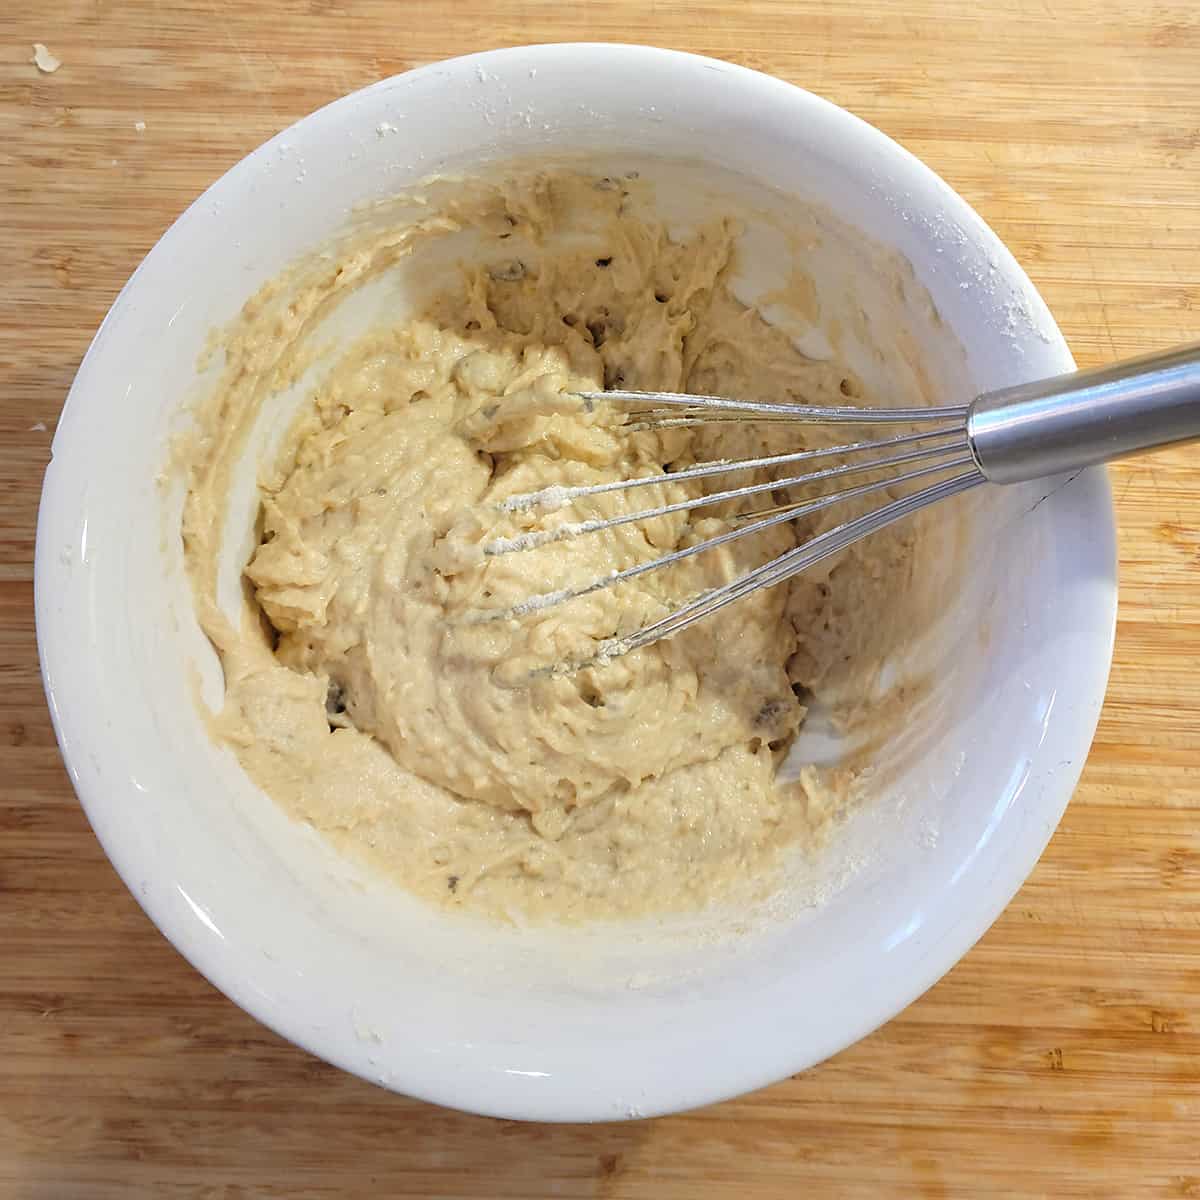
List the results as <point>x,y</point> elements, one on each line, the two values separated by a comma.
<point>380,645</point>
<point>570,1002</point>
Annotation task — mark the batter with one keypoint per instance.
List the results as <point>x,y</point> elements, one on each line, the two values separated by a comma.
<point>377,689</point>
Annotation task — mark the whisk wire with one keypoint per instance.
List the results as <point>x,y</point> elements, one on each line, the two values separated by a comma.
<point>550,498</point>
<point>824,414</point>
<point>790,563</point>
<point>906,458</point>
<point>529,541</point>
<point>787,513</point>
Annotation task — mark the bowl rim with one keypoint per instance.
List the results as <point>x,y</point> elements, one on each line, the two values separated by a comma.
<point>69,710</point>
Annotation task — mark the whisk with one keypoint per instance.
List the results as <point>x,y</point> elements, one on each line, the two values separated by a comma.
<point>1037,430</point>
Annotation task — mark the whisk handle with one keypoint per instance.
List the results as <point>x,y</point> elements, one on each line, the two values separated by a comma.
<point>1072,421</point>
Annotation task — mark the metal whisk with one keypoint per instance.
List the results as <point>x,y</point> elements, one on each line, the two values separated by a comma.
<point>1031,431</point>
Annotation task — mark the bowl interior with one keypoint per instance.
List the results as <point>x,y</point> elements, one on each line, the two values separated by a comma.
<point>609,1021</point>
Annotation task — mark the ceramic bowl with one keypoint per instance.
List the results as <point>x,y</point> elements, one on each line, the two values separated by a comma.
<point>605,1022</point>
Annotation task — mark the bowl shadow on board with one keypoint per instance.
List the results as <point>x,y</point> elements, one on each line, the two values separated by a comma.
<point>216,1097</point>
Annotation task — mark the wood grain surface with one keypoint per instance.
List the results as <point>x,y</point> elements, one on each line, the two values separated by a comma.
<point>1061,1058</point>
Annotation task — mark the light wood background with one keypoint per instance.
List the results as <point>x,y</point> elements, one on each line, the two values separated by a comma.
<point>1061,1058</point>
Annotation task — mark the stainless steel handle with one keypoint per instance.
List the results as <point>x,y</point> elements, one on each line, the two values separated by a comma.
<point>1072,421</point>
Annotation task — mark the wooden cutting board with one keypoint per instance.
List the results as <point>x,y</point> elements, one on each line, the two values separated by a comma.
<point>1061,1058</point>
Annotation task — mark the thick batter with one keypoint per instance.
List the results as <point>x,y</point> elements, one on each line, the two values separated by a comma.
<point>373,689</point>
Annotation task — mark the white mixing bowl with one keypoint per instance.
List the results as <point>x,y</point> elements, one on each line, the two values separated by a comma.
<point>600,1023</point>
